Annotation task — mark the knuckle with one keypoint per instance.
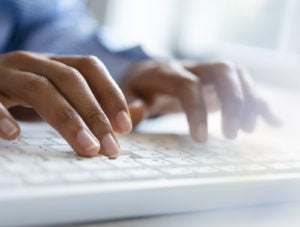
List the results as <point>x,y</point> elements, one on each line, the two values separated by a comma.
<point>188,91</point>
<point>167,68</point>
<point>97,117</point>
<point>35,84</point>
<point>67,115</point>
<point>91,61</point>
<point>15,57</point>
<point>188,84</point>
<point>71,74</point>
<point>161,69</point>
<point>19,54</point>
<point>225,66</point>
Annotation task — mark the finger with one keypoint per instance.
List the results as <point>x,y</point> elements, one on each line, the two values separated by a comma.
<point>211,98</point>
<point>230,93</point>
<point>9,128</point>
<point>137,110</point>
<point>40,93</point>
<point>249,112</point>
<point>267,114</point>
<point>254,105</point>
<point>74,88</point>
<point>193,105</point>
<point>109,95</point>
<point>137,107</point>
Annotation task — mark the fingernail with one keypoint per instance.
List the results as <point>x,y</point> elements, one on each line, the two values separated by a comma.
<point>109,146</point>
<point>87,142</point>
<point>7,127</point>
<point>232,128</point>
<point>201,133</point>
<point>124,122</point>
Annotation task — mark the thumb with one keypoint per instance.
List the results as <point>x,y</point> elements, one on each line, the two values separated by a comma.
<point>138,110</point>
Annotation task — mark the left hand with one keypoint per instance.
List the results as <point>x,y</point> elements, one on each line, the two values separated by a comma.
<point>153,88</point>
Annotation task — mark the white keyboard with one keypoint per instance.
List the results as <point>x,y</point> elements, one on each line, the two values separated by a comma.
<point>33,161</point>
<point>155,174</point>
<point>45,158</point>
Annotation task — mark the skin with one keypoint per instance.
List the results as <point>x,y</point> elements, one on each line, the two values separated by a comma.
<point>77,96</point>
<point>155,88</point>
<point>64,91</point>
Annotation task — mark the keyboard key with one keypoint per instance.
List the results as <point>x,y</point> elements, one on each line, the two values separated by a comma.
<point>62,148</point>
<point>182,161</point>
<point>147,154</point>
<point>111,175</point>
<point>205,169</point>
<point>124,163</point>
<point>21,168</point>
<point>60,166</point>
<point>127,146</point>
<point>174,153</point>
<point>144,173</point>
<point>154,162</point>
<point>29,149</point>
<point>178,171</point>
<point>60,141</point>
<point>24,158</point>
<point>75,177</point>
<point>230,168</point>
<point>37,134</point>
<point>232,159</point>
<point>36,141</point>
<point>92,165</point>
<point>260,158</point>
<point>43,178</point>
<point>208,160</point>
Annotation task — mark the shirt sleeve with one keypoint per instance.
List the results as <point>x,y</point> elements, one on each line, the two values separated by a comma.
<point>71,30</point>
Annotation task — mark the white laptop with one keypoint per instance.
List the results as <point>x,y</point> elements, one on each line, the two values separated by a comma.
<point>43,182</point>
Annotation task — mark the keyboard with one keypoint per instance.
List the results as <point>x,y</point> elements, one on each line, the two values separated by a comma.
<point>36,162</point>
<point>154,174</point>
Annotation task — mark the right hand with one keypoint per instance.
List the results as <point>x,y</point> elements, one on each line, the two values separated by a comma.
<point>74,94</point>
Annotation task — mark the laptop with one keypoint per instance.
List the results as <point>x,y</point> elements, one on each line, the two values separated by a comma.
<point>160,171</point>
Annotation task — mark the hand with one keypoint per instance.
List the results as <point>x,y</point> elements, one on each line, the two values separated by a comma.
<point>153,88</point>
<point>74,94</point>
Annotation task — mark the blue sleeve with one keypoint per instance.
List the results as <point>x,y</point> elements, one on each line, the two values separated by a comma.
<point>66,27</point>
